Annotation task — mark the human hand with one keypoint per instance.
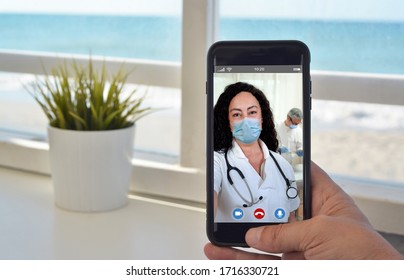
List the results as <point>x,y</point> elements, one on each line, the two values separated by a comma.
<point>299,153</point>
<point>283,150</point>
<point>338,230</point>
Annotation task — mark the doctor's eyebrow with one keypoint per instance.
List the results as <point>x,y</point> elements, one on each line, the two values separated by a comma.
<point>249,108</point>
<point>252,107</point>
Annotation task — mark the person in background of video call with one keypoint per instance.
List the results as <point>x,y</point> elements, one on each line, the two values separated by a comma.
<point>290,136</point>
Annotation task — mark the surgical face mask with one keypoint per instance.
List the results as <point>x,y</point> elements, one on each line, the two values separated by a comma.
<point>292,126</point>
<point>247,130</point>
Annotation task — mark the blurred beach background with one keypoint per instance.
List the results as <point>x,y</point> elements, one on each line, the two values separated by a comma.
<point>352,139</point>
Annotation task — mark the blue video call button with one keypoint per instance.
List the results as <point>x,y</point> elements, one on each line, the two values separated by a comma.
<point>238,213</point>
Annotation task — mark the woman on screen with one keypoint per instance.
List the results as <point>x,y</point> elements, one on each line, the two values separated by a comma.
<point>252,182</point>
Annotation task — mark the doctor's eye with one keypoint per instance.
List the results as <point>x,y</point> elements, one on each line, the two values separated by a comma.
<point>236,115</point>
<point>253,112</point>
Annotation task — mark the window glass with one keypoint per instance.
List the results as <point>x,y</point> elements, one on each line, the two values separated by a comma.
<point>136,29</point>
<point>343,35</point>
<point>107,28</point>
<point>18,111</point>
<point>359,139</point>
<point>349,139</point>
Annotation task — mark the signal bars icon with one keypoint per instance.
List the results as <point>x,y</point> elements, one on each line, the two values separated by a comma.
<point>224,69</point>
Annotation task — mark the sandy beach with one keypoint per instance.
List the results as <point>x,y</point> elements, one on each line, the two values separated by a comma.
<point>368,154</point>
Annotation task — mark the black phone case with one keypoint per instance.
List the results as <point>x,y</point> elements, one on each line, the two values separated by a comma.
<point>254,53</point>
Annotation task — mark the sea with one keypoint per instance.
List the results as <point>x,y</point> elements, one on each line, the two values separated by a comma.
<point>354,46</point>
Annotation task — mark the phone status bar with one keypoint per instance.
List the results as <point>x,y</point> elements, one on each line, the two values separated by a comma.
<point>258,69</point>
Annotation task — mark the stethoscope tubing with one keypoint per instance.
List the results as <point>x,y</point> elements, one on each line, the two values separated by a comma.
<point>229,169</point>
<point>251,202</point>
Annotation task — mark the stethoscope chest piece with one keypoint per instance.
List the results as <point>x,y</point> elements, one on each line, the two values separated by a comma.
<point>291,192</point>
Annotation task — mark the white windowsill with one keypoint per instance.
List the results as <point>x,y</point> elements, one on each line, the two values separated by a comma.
<point>145,229</point>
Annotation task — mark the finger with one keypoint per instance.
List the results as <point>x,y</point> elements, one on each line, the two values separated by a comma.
<point>292,237</point>
<point>213,252</point>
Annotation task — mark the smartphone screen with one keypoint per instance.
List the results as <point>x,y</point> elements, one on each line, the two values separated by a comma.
<point>258,140</point>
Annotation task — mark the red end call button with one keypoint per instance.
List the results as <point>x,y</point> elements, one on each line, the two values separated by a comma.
<point>259,213</point>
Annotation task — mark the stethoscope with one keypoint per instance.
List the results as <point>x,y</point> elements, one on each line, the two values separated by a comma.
<point>291,191</point>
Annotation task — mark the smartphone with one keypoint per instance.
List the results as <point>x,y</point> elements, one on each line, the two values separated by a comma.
<point>258,137</point>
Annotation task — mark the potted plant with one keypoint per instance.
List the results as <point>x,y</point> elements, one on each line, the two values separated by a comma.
<point>91,132</point>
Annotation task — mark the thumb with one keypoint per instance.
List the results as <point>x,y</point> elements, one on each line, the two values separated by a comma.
<point>282,238</point>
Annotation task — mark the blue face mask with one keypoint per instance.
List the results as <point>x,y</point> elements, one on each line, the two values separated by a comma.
<point>247,130</point>
<point>292,125</point>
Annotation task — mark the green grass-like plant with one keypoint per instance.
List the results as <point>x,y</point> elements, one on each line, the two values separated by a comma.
<point>80,98</point>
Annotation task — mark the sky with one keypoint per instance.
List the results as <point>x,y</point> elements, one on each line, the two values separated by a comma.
<point>379,10</point>
<point>169,7</point>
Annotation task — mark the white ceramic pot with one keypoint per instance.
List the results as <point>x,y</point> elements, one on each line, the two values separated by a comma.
<point>91,170</point>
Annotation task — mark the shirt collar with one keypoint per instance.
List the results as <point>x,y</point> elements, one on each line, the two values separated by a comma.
<point>236,150</point>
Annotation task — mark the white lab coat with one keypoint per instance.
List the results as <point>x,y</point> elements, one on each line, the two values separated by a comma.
<point>271,187</point>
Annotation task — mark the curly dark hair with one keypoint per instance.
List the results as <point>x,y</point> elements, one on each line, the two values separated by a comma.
<point>222,134</point>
